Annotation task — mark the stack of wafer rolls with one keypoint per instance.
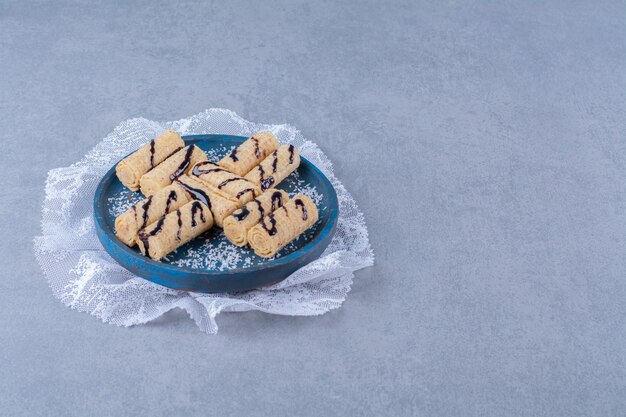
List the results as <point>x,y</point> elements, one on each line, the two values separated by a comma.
<point>130,169</point>
<point>236,225</point>
<point>275,168</point>
<point>244,157</point>
<point>220,204</point>
<point>175,229</point>
<point>229,183</point>
<point>173,167</point>
<point>187,195</point>
<point>148,211</point>
<point>282,226</point>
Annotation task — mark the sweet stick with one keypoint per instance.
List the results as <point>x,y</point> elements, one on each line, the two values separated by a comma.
<point>175,229</point>
<point>244,157</point>
<point>130,169</point>
<point>173,167</point>
<point>147,211</point>
<point>275,168</point>
<point>282,226</point>
<point>236,225</point>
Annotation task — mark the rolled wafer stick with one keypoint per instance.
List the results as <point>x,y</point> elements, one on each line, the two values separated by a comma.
<point>236,225</point>
<point>175,229</point>
<point>147,211</point>
<point>275,168</point>
<point>244,157</point>
<point>173,167</point>
<point>282,226</point>
<point>130,169</point>
<point>231,184</point>
<point>221,205</point>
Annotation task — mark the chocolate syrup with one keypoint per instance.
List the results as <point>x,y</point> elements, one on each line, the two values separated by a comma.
<point>265,184</point>
<point>300,203</point>
<point>196,193</point>
<point>233,155</point>
<point>242,192</point>
<point>197,171</point>
<point>275,162</point>
<point>152,153</point>
<point>145,208</point>
<point>241,214</point>
<point>277,200</point>
<point>272,220</point>
<point>145,236</point>
<point>261,210</point>
<point>180,225</point>
<point>291,149</point>
<point>223,183</point>
<point>171,197</point>
<point>183,165</point>
<point>194,209</point>
<point>261,172</point>
<point>257,151</point>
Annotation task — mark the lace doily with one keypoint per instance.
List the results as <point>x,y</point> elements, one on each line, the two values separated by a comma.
<point>84,277</point>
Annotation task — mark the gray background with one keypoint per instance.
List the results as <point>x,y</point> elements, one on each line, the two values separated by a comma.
<point>485,144</point>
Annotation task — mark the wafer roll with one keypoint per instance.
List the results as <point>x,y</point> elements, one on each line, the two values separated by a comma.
<point>275,168</point>
<point>244,157</point>
<point>282,226</point>
<point>175,229</point>
<point>231,184</point>
<point>173,167</point>
<point>236,225</point>
<point>130,169</point>
<point>147,211</point>
<point>221,205</point>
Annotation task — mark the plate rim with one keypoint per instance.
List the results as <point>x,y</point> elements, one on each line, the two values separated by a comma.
<point>99,216</point>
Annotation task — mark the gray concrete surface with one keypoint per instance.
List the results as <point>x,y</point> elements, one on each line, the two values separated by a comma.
<point>485,143</point>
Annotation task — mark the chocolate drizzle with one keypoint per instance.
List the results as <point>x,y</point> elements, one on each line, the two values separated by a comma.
<point>233,155</point>
<point>196,193</point>
<point>171,197</point>
<point>197,171</point>
<point>272,220</point>
<point>275,162</point>
<point>196,168</point>
<point>261,209</point>
<point>223,183</point>
<point>267,183</point>
<point>143,236</point>
<point>261,172</point>
<point>300,203</point>
<point>180,225</point>
<point>194,209</point>
<point>242,192</point>
<point>183,165</point>
<point>277,200</point>
<point>241,214</point>
<point>291,150</point>
<point>145,206</point>
<point>257,151</point>
<point>152,153</point>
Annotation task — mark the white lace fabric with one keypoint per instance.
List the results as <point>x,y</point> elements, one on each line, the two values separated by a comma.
<point>84,277</point>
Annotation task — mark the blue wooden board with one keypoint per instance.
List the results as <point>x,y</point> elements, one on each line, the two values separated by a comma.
<point>210,263</point>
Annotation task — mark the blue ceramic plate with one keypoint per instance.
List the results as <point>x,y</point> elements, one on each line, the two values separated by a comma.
<point>210,263</point>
